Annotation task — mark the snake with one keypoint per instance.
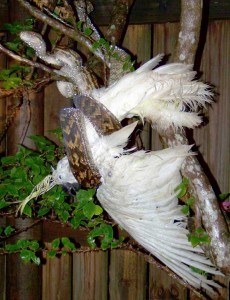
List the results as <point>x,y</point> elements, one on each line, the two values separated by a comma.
<point>77,148</point>
<point>73,120</point>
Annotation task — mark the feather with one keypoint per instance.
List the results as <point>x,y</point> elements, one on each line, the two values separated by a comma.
<point>166,96</point>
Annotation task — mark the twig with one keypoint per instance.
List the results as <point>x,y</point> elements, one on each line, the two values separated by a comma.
<point>71,33</point>
<point>24,60</point>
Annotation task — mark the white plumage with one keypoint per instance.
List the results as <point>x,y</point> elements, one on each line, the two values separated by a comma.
<point>166,96</point>
<point>138,192</point>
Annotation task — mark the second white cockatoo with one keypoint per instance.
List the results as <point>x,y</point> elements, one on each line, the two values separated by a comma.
<point>166,96</point>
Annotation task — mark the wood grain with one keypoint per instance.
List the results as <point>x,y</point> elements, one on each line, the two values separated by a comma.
<point>128,274</point>
<point>162,286</point>
<point>90,276</point>
<point>57,278</point>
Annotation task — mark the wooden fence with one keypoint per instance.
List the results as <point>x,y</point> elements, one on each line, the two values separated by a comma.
<point>119,274</point>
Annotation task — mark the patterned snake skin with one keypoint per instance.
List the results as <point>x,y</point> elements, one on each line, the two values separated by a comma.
<point>75,139</point>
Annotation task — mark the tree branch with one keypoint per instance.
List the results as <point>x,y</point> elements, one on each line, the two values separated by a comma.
<point>206,201</point>
<point>68,31</point>
<point>25,61</point>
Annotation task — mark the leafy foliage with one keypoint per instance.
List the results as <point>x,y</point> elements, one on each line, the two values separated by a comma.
<point>16,27</point>
<point>20,173</point>
<point>13,77</point>
<point>198,237</point>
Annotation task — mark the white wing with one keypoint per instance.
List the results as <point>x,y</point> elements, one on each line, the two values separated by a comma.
<point>139,194</point>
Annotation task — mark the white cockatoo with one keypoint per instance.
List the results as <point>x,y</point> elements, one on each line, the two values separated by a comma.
<point>138,190</point>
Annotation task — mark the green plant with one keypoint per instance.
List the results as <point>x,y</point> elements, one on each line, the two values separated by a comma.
<point>198,237</point>
<point>20,173</point>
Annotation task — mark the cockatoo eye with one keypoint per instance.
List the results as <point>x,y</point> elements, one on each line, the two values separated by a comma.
<point>59,176</point>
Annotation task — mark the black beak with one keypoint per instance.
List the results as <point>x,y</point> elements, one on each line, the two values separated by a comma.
<point>71,188</point>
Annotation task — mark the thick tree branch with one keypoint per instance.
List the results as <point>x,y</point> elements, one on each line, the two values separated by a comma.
<point>206,201</point>
<point>190,22</point>
<point>25,61</point>
<point>68,31</point>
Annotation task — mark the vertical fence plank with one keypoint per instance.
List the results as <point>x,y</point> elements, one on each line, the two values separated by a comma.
<point>53,102</point>
<point>128,275</point>
<point>57,278</point>
<point>163,286</point>
<point>23,280</point>
<point>214,138</point>
<point>90,275</point>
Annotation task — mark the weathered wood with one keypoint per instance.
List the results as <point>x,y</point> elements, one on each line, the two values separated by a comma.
<point>214,138</point>
<point>90,275</point>
<point>57,278</point>
<point>23,281</point>
<point>162,286</point>
<point>145,11</point>
<point>53,230</point>
<point>137,41</point>
<point>53,103</point>
<point>128,275</point>
<point>27,121</point>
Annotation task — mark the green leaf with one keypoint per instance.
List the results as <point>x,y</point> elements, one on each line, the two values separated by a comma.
<point>35,259</point>
<point>34,245</point>
<point>194,240</point>
<point>9,160</point>
<point>8,230</point>
<point>51,253</point>
<point>26,255</point>
<point>88,31</point>
<point>55,243</point>
<point>224,196</point>
<point>3,203</point>
<point>64,215</point>
<point>199,271</point>
<point>79,25</point>
<point>43,211</point>
<point>27,211</point>
<point>90,209</point>
<point>190,201</point>
<point>95,46</point>
<point>85,194</point>
<point>116,243</point>
<point>68,244</point>
<point>105,231</point>
<point>12,247</point>
<point>185,209</point>
<point>12,190</point>
<point>76,220</point>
